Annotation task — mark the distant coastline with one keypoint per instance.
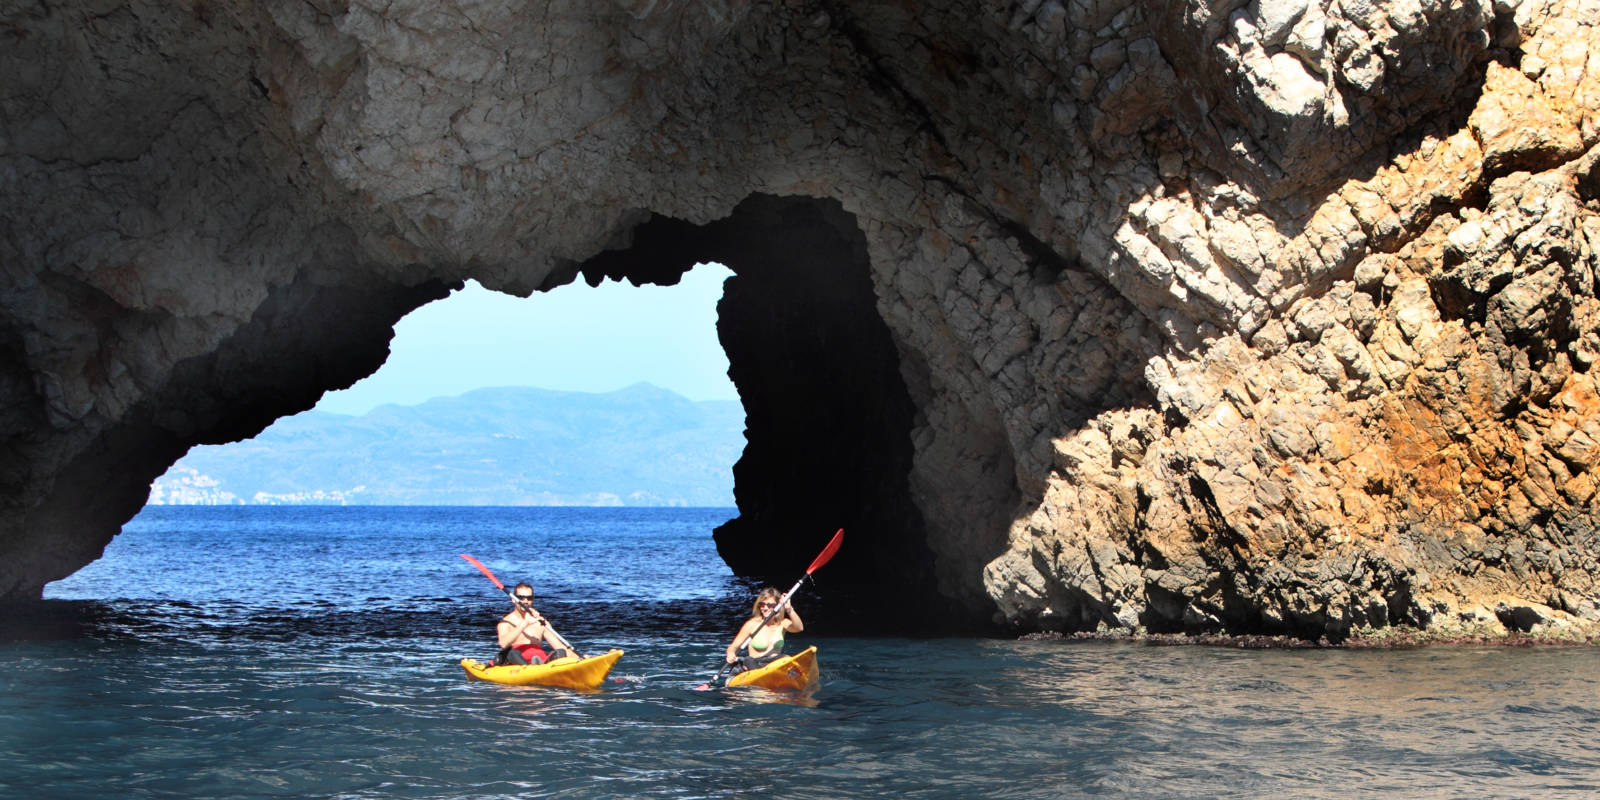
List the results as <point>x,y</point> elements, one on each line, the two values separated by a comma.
<point>185,486</point>
<point>641,446</point>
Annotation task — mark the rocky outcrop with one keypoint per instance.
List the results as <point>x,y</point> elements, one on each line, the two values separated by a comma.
<point>1267,316</point>
<point>1406,438</point>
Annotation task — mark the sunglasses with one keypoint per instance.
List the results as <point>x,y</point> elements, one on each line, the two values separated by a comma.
<point>769,605</point>
<point>525,597</point>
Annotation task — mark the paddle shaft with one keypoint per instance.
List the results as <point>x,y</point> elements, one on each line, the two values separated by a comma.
<point>783,603</point>
<point>527,608</point>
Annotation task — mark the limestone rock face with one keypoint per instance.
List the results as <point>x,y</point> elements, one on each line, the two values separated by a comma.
<point>1253,316</point>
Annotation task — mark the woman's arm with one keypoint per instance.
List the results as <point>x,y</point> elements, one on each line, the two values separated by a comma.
<point>745,630</point>
<point>792,623</point>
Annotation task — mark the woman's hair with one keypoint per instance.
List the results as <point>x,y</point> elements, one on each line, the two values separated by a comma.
<point>768,593</point>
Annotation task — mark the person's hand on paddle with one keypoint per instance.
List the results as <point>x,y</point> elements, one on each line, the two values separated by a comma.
<point>533,619</point>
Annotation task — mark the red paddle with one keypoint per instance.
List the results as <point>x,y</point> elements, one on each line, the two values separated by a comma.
<point>827,553</point>
<point>560,640</point>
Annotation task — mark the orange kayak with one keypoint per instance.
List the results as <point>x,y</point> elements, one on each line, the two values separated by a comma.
<point>569,672</point>
<point>793,673</point>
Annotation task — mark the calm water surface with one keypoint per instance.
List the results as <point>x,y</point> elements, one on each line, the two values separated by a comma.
<point>294,652</point>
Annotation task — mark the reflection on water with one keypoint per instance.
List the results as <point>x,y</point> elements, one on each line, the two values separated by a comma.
<point>1446,722</point>
<point>177,685</point>
<point>755,694</point>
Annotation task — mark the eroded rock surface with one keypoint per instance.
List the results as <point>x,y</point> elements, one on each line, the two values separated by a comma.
<point>1262,316</point>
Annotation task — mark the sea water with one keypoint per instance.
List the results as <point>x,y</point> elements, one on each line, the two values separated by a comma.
<point>312,652</point>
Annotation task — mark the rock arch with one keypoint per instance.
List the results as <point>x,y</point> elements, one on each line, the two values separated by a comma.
<point>1245,316</point>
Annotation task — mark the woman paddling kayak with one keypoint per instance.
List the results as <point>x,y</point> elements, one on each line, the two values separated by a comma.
<point>766,641</point>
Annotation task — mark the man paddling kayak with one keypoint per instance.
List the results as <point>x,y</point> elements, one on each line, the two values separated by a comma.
<point>766,641</point>
<point>524,633</point>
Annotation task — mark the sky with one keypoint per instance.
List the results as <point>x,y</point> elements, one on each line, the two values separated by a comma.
<point>573,338</point>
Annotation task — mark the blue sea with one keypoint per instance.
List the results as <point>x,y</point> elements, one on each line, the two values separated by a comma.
<point>254,652</point>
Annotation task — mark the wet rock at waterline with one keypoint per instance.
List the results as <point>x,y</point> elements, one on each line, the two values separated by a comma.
<point>1255,317</point>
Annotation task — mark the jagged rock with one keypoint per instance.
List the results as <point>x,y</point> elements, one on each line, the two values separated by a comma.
<point>1268,317</point>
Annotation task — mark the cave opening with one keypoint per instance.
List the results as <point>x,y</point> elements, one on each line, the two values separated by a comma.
<point>828,414</point>
<point>607,396</point>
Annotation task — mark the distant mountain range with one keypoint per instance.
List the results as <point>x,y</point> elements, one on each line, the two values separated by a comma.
<point>639,446</point>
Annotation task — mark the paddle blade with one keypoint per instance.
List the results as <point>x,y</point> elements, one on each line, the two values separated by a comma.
<point>827,552</point>
<point>485,570</point>
<point>704,687</point>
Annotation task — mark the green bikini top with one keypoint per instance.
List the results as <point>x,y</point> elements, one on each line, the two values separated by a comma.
<point>759,646</point>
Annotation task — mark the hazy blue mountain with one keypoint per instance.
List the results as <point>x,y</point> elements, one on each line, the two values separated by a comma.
<point>642,446</point>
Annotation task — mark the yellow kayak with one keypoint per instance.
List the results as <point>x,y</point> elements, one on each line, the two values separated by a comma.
<point>794,672</point>
<point>570,672</point>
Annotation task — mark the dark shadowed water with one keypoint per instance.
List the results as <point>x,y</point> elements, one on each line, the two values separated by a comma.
<point>295,652</point>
